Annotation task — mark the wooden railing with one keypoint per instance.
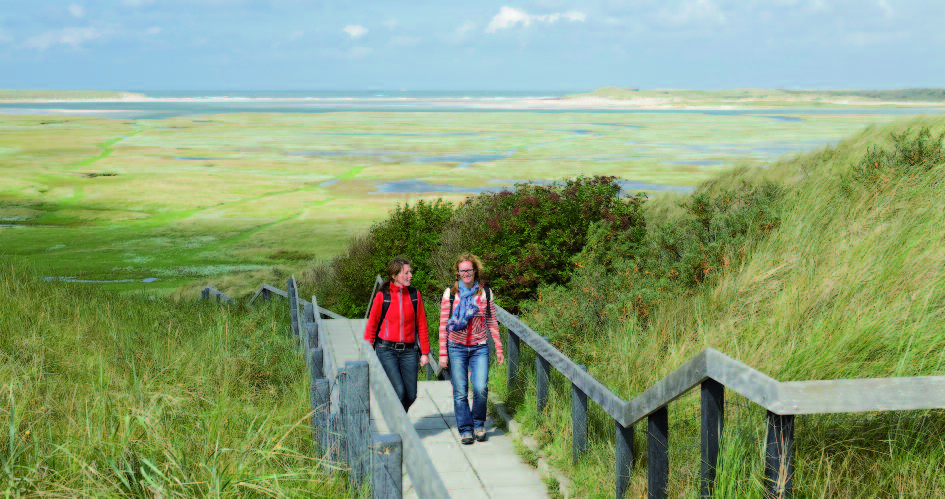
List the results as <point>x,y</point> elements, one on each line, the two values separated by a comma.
<point>712,371</point>
<point>341,414</point>
<point>212,292</point>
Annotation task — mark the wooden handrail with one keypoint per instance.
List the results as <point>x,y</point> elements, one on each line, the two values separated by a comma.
<point>714,371</point>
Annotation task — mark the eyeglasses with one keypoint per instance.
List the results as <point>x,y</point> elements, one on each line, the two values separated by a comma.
<point>466,271</point>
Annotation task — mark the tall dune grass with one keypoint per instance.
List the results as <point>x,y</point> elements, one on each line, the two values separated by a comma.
<point>851,284</point>
<point>106,396</point>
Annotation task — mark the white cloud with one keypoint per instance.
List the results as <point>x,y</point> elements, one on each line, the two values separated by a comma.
<point>296,34</point>
<point>76,10</point>
<point>390,23</point>
<point>153,30</point>
<point>575,16</point>
<point>509,17</point>
<point>698,11</point>
<point>887,10</point>
<point>355,31</point>
<point>506,18</point>
<point>65,36</point>
<point>465,28</point>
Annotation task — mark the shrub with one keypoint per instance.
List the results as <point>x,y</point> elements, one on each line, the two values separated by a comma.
<point>528,236</point>
<point>411,231</point>
<point>912,153</point>
<point>616,279</point>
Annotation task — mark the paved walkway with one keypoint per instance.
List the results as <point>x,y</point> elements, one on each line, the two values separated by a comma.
<point>489,469</point>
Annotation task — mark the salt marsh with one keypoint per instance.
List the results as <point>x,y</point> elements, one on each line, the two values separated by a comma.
<point>199,199</point>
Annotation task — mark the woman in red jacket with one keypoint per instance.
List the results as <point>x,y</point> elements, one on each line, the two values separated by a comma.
<point>395,326</point>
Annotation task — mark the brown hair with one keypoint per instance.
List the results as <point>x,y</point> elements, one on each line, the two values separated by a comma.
<point>394,267</point>
<point>477,268</point>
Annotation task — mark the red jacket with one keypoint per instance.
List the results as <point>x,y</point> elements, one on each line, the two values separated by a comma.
<point>399,322</point>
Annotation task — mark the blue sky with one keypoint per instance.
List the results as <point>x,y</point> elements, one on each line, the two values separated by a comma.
<point>444,45</point>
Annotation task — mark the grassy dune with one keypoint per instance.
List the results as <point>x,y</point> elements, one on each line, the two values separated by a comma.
<point>105,396</point>
<point>850,285</point>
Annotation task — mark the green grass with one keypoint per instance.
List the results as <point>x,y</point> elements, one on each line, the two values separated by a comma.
<point>104,396</point>
<point>850,285</point>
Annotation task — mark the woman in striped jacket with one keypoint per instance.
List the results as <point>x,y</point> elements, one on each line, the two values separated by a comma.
<point>467,316</point>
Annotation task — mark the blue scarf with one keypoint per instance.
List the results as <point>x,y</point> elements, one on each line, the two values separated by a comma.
<point>465,309</point>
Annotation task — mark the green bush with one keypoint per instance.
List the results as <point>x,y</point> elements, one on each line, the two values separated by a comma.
<point>718,224</point>
<point>614,279</point>
<point>912,153</point>
<point>411,231</point>
<point>529,236</point>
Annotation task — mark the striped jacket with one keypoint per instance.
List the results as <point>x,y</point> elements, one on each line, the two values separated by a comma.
<point>476,330</point>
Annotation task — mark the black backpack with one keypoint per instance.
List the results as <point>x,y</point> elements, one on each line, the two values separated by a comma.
<point>488,292</point>
<point>414,297</point>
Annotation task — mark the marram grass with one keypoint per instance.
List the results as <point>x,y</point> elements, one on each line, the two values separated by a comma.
<point>850,285</point>
<point>104,396</point>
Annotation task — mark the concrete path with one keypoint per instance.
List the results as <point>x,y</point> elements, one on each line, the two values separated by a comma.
<point>489,469</point>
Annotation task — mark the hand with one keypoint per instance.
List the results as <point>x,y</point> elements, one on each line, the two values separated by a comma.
<point>500,357</point>
<point>423,360</point>
<point>444,363</point>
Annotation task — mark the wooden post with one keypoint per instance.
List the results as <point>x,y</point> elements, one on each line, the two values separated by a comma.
<point>578,421</point>
<point>337,441</point>
<point>312,330</point>
<point>388,465</point>
<point>625,457</point>
<point>779,453</point>
<point>713,422</point>
<point>316,364</point>
<point>356,411</point>
<point>293,306</point>
<point>514,347</point>
<point>657,452</point>
<point>320,397</point>
<point>541,381</point>
<point>337,446</point>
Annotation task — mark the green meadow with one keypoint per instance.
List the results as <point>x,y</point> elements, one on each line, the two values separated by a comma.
<point>235,200</point>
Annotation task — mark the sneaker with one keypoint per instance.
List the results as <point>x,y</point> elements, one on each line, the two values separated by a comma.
<point>467,439</point>
<point>481,435</point>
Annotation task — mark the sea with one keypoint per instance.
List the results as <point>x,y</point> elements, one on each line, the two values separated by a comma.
<point>167,103</point>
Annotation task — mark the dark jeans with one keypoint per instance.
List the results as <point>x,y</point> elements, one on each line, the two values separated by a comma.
<point>469,363</point>
<point>401,367</point>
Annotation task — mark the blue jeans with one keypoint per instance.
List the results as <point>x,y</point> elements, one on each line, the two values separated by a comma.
<point>469,363</point>
<point>401,367</point>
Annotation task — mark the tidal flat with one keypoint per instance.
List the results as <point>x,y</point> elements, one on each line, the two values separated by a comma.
<point>234,200</point>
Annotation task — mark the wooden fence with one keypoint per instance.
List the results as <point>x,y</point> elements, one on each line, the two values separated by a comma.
<point>341,432</point>
<point>712,372</point>
<point>340,400</point>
